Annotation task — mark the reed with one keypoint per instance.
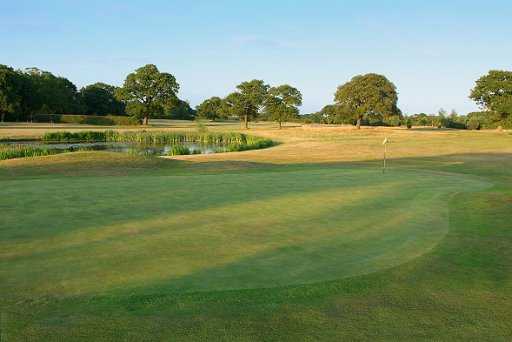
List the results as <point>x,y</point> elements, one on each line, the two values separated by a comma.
<point>232,141</point>
<point>86,136</point>
<point>177,150</point>
<point>22,151</point>
<point>164,138</point>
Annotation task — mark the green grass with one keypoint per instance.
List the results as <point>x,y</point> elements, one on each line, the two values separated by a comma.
<point>102,246</point>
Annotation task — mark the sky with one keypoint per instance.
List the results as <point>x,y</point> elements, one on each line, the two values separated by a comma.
<point>433,51</point>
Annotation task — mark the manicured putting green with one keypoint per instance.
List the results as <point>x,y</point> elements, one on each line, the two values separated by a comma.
<point>100,235</point>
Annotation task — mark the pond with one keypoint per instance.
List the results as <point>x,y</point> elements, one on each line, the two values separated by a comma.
<point>154,150</point>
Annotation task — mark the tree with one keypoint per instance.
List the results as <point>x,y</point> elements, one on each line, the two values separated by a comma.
<point>248,101</point>
<point>281,103</point>
<point>56,94</point>
<point>329,114</point>
<point>210,109</point>
<point>30,96</point>
<point>369,94</point>
<point>232,105</point>
<point>454,115</point>
<point>179,110</point>
<point>493,92</point>
<point>10,99</point>
<point>147,91</point>
<point>441,120</point>
<point>99,99</point>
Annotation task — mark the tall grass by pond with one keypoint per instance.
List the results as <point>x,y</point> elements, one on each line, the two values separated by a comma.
<point>231,141</point>
<point>22,151</point>
<point>177,150</point>
<point>86,136</point>
<point>13,151</point>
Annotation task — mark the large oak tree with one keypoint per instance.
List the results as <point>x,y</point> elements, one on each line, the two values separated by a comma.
<point>368,95</point>
<point>147,91</point>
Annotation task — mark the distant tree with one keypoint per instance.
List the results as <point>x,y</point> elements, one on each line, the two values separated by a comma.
<point>441,120</point>
<point>454,115</point>
<point>179,110</point>
<point>311,118</point>
<point>421,119</point>
<point>281,103</point>
<point>329,114</point>
<point>249,100</point>
<point>31,101</point>
<point>10,99</point>
<point>493,92</point>
<point>56,94</point>
<point>232,105</point>
<point>210,109</point>
<point>367,95</point>
<point>99,99</point>
<point>455,120</point>
<point>147,91</point>
<point>333,114</point>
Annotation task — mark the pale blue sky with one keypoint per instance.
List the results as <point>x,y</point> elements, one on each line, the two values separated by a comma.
<point>432,50</point>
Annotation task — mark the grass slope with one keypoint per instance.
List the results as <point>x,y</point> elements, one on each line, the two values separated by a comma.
<point>248,246</point>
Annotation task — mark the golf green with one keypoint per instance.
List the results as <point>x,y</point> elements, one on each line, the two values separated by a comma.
<point>186,233</point>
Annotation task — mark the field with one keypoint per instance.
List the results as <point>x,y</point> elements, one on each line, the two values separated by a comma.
<point>307,240</point>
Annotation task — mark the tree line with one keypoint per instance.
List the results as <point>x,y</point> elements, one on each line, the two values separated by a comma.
<point>254,100</point>
<point>29,94</point>
<point>369,99</point>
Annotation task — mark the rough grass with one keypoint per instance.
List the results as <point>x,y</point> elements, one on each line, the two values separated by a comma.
<point>304,241</point>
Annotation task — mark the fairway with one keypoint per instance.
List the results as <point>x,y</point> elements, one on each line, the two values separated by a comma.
<point>111,246</point>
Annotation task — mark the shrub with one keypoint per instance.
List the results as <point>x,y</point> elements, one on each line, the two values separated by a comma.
<point>473,124</point>
<point>393,121</point>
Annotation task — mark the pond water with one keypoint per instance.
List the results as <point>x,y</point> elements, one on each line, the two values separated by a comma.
<point>157,150</point>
